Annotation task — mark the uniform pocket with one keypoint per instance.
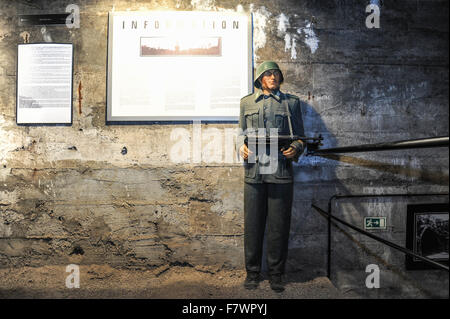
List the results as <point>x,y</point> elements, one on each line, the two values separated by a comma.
<point>250,170</point>
<point>251,117</point>
<point>281,122</point>
<point>284,169</point>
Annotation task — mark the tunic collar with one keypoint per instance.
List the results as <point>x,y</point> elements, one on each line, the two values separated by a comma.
<point>277,95</point>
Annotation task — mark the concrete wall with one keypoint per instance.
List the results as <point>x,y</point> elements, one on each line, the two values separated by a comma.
<point>92,204</point>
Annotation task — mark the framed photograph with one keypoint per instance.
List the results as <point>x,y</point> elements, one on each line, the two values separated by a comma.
<point>44,84</point>
<point>174,66</point>
<point>427,234</point>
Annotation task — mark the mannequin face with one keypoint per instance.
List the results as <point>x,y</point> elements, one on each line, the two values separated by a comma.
<point>270,80</point>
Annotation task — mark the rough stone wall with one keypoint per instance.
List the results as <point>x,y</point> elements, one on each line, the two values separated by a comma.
<point>68,194</point>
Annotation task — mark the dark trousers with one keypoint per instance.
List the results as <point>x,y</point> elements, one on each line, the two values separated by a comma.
<point>267,205</point>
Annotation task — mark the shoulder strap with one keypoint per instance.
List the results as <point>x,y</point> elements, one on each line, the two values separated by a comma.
<point>289,119</point>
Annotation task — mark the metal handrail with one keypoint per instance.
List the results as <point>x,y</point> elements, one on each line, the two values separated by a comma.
<point>330,216</point>
<point>384,241</point>
<point>441,141</point>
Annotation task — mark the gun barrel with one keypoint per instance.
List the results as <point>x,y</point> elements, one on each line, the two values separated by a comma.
<point>284,137</point>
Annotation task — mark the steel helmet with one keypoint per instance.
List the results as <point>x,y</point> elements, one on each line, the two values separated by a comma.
<point>263,67</point>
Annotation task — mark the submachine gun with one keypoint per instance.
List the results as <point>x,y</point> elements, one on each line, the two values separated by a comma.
<point>312,143</point>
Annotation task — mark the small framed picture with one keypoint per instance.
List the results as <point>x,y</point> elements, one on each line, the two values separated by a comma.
<point>44,84</point>
<point>427,234</point>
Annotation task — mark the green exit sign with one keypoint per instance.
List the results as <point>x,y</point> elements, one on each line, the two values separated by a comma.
<point>374,222</point>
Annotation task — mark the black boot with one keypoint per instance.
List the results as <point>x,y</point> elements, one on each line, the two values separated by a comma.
<point>252,280</point>
<point>276,283</point>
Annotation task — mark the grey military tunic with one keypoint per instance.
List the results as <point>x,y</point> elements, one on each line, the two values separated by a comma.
<point>259,111</point>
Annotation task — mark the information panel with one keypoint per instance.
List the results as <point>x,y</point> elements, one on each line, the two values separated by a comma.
<point>44,83</point>
<point>178,66</point>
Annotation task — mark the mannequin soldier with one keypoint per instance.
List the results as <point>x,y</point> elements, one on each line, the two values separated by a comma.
<point>268,196</point>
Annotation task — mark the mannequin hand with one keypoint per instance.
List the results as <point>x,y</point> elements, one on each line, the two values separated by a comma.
<point>244,152</point>
<point>290,152</point>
